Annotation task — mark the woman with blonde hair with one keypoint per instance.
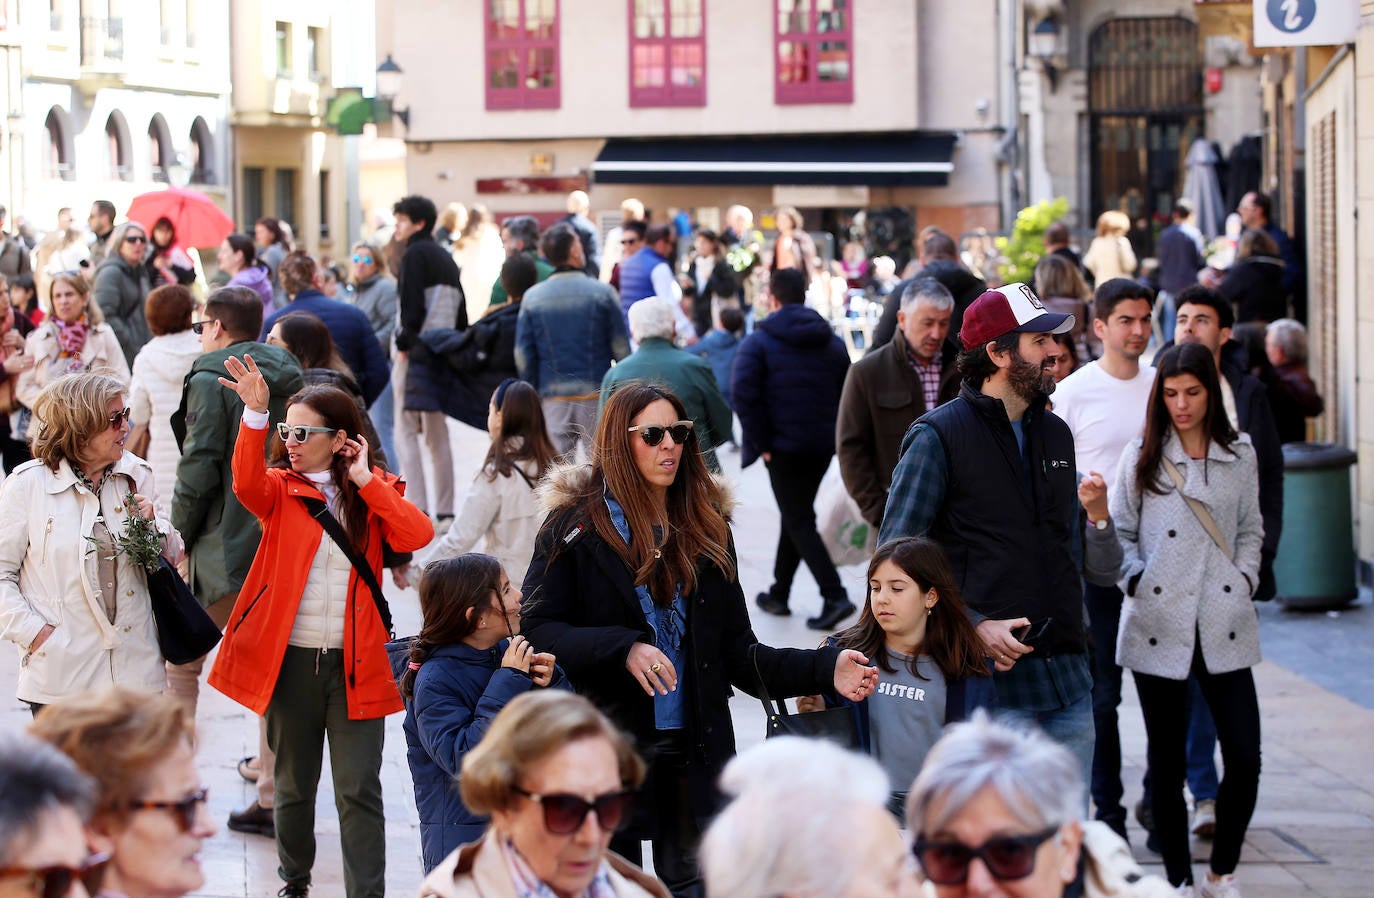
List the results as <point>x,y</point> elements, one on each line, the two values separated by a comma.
<point>74,338</point>
<point>1110,254</point>
<point>151,811</point>
<point>75,603</point>
<point>479,255</point>
<point>557,779</point>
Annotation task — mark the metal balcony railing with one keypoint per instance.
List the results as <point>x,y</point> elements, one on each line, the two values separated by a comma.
<point>102,40</point>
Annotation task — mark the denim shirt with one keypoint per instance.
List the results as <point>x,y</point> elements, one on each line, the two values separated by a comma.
<point>669,626</point>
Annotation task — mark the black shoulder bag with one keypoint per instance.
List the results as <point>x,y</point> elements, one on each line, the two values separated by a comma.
<point>319,510</point>
<point>833,724</point>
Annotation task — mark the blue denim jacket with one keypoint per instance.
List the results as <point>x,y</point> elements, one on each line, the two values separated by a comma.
<point>569,332</point>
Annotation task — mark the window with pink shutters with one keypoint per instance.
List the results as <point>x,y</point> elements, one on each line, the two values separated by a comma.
<point>522,54</point>
<point>813,51</point>
<point>667,53</point>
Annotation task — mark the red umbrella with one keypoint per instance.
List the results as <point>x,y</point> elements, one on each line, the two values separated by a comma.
<point>198,221</point>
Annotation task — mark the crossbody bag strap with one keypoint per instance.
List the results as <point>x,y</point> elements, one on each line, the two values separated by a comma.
<point>319,510</point>
<point>1196,506</point>
<point>523,476</point>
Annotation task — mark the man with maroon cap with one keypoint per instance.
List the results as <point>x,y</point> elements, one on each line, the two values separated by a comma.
<point>991,476</point>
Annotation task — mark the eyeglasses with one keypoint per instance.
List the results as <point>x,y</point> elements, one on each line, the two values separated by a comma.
<point>299,432</point>
<point>362,260</point>
<point>135,238</point>
<point>56,881</point>
<point>184,811</point>
<point>121,417</point>
<point>1006,857</point>
<point>629,240</point>
<point>653,433</point>
<point>563,814</point>
<point>199,326</point>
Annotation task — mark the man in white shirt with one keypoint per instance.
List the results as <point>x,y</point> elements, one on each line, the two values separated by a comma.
<point>1104,404</point>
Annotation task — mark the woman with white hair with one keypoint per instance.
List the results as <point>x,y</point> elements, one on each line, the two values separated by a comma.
<point>791,798</point>
<point>995,811</point>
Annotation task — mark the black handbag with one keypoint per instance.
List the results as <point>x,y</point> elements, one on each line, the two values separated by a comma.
<point>833,724</point>
<point>185,631</point>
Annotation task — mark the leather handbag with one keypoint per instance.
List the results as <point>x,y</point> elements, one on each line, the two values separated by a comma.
<point>833,724</point>
<point>185,631</point>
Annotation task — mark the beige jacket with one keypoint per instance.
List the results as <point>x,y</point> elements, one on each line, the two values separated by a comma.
<point>102,355</point>
<point>49,574</point>
<point>471,872</point>
<point>504,513</point>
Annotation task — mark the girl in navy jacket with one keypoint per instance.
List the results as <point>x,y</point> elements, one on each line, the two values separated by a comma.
<point>467,663</point>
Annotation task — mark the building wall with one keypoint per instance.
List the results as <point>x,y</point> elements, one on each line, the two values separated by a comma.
<point>1364,274</point>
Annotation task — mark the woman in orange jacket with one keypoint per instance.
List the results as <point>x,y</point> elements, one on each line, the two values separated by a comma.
<point>305,643</point>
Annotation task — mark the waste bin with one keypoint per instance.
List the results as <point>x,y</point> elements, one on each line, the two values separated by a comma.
<point>1315,567</point>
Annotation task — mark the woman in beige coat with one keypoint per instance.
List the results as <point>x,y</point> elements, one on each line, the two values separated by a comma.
<point>557,778</point>
<point>77,609</point>
<point>73,338</point>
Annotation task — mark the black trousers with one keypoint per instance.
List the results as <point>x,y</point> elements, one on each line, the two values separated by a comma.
<point>678,835</point>
<point>1104,616</point>
<point>1235,707</point>
<point>795,478</point>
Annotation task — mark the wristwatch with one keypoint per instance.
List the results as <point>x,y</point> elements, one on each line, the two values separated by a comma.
<point>1100,525</point>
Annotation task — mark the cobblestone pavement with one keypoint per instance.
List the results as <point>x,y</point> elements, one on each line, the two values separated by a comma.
<point>1311,835</point>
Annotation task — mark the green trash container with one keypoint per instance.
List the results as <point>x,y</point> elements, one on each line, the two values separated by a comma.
<point>1315,567</point>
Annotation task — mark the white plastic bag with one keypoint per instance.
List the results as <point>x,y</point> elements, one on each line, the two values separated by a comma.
<point>847,536</point>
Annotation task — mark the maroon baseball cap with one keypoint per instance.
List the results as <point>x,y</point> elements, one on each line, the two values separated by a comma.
<point>1013,308</point>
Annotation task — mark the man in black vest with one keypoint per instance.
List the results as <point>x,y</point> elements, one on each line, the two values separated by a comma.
<point>990,475</point>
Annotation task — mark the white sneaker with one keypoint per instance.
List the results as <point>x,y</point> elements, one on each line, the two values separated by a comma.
<point>1205,818</point>
<point>1186,891</point>
<point>1220,888</point>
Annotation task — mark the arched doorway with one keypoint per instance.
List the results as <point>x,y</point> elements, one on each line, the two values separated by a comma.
<point>162,154</point>
<point>1145,99</point>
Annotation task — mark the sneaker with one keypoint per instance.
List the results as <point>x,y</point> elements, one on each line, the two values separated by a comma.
<point>1185,891</point>
<point>293,891</point>
<point>1205,818</point>
<point>777,607</point>
<point>1220,888</point>
<point>255,820</point>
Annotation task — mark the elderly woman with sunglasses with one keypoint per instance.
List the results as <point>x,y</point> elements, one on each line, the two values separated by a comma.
<point>634,586</point>
<point>995,811</point>
<point>73,602</point>
<point>150,817</point>
<point>74,337</point>
<point>557,779</point>
<point>305,645</point>
<point>122,282</point>
<point>42,837</point>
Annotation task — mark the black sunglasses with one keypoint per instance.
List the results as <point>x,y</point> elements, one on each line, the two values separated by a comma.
<point>653,433</point>
<point>56,881</point>
<point>1006,857</point>
<point>564,814</point>
<point>134,238</point>
<point>184,811</point>
<point>121,417</point>
<point>198,327</point>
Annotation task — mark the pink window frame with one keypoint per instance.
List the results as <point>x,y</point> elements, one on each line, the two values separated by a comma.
<point>812,90</point>
<point>668,94</point>
<point>522,97</point>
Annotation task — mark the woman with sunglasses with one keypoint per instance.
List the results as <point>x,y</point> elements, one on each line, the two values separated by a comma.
<point>305,644</point>
<point>238,258</point>
<point>634,586</point>
<point>74,604</point>
<point>466,664</point>
<point>151,816</point>
<point>995,812</point>
<point>1186,506</point>
<point>121,284</point>
<point>48,800</point>
<point>74,338</point>
<point>557,779</point>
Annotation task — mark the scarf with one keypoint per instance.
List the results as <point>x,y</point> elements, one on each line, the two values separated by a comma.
<point>527,885</point>
<point>71,336</point>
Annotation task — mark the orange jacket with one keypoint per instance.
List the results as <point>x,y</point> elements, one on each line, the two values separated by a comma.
<point>255,638</point>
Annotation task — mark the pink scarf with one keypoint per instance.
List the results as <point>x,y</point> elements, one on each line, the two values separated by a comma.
<point>71,337</point>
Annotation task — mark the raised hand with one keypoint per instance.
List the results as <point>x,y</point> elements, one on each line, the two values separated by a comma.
<point>356,452</point>
<point>248,382</point>
<point>1092,495</point>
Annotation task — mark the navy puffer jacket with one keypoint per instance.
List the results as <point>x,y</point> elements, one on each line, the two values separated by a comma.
<point>786,385</point>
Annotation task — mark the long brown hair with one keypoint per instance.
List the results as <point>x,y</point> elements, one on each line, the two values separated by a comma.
<point>340,412</point>
<point>522,416</point>
<point>698,528</point>
<point>1183,358</point>
<point>950,639</point>
<point>449,590</point>
<point>308,339</point>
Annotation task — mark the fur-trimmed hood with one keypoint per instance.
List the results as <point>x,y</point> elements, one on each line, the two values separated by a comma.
<point>562,483</point>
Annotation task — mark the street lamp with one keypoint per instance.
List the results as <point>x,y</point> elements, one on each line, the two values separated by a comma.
<point>389,88</point>
<point>1043,44</point>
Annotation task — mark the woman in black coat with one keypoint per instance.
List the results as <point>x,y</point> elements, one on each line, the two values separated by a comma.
<point>634,586</point>
<point>1254,282</point>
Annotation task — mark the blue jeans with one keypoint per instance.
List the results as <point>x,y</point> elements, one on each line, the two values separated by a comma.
<point>1070,726</point>
<point>1104,616</point>
<point>381,414</point>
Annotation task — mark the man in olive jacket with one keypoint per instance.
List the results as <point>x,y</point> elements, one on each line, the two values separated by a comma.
<point>221,535</point>
<point>889,389</point>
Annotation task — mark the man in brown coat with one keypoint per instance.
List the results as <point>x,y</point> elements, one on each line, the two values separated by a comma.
<point>888,390</point>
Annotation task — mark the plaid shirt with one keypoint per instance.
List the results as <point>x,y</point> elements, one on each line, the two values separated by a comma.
<point>930,376</point>
<point>919,485</point>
